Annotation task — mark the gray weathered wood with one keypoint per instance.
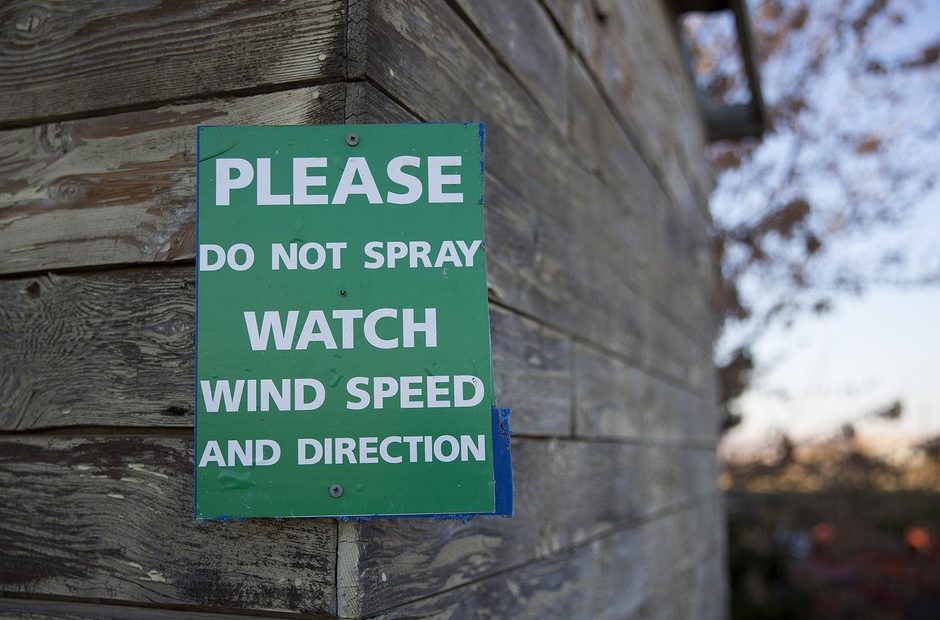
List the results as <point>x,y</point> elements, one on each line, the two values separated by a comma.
<point>532,364</point>
<point>598,580</point>
<point>567,492</point>
<point>33,609</point>
<point>672,254</point>
<point>525,38</point>
<point>114,348</point>
<point>67,58</point>
<point>536,49</point>
<point>112,518</point>
<point>617,400</point>
<point>632,49</point>
<point>618,575</point>
<point>591,293</point>
<point>691,592</point>
<point>126,337</point>
<point>121,188</point>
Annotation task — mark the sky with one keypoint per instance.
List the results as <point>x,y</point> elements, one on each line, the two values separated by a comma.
<point>871,350</point>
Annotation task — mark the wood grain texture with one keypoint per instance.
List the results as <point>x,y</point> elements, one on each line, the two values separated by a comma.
<point>61,58</point>
<point>121,188</point>
<point>616,400</point>
<point>692,592</point>
<point>114,348</point>
<point>673,251</point>
<point>32,609</point>
<point>567,492</point>
<point>600,580</point>
<point>532,365</point>
<point>524,38</point>
<point>633,50</point>
<point>558,208</point>
<point>619,575</point>
<point>126,337</point>
<point>112,518</point>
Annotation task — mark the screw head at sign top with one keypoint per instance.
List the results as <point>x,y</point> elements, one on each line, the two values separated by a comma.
<point>352,139</point>
<point>336,490</point>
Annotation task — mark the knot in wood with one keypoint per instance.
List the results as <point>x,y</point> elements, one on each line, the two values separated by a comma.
<point>28,23</point>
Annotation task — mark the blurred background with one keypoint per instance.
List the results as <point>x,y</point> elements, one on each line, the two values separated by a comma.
<point>829,247</point>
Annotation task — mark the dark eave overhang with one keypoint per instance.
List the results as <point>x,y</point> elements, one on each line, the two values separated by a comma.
<point>745,120</point>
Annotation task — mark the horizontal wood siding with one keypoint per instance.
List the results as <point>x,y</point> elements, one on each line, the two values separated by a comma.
<point>63,59</point>
<point>125,337</point>
<point>608,257</point>
<point>568,494</point>
<point>632,573</point>
<point>599,275</point>
<point>122,189</point>
<point>111,518</point>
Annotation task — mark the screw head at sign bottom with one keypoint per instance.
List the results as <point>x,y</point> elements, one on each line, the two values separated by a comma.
<point>336,490</point>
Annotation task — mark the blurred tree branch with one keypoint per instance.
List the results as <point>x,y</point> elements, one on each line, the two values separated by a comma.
<point>852,117</point>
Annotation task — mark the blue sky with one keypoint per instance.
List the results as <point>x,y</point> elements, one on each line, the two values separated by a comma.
<point>877,348</point>
<point>871,350</point>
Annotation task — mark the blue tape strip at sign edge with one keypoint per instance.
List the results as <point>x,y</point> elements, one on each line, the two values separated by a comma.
<point>502,462</point>
<point>502,476</point>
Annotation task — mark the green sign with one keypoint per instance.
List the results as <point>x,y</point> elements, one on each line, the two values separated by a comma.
<point>343,346</point>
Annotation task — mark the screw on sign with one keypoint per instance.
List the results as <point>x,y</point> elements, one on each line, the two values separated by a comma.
<point>386,383</point>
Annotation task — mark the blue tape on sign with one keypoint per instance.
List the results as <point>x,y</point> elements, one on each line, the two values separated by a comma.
<point>502,476</point>
<point>502,461</point>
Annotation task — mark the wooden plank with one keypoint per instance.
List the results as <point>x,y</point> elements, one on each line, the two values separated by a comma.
<point>120,189</point>
<point>616,400</point>
<point>600,580</point>
<point>526,40</point>
<point>114,348</point>
<point>126,336</point>
<point>537,49</point>
<point>610,577</point>
<point>32,609</point>
<point>567,493</point>
<point>612,398</point>
<point>633,50</point>
<point>424,54</point>
<point>532,364</point>
<point>64,58</point>
<point>560,12</point>
<point>673,256</point>
<point>692,592</point>
<point>111,518</point>
<point>530,160</point>
<point>674,473</point>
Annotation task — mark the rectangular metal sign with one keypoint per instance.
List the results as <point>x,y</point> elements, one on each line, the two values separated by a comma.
<point>343,345</point>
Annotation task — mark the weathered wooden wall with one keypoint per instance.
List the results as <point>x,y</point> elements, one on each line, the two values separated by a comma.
<point>597,229</point>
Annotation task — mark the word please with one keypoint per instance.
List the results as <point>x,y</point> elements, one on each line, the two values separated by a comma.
<point>356,180</point>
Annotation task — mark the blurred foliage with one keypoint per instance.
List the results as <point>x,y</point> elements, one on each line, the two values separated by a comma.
<point>839,462</point>
<point>834,554</point>
<point>853,106</point>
